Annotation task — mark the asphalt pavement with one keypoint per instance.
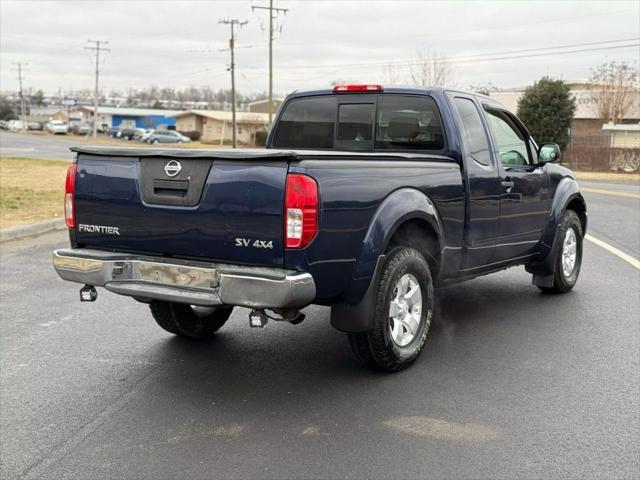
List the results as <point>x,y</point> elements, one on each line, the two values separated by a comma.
<point>42,146</point>
<point>512,383</point>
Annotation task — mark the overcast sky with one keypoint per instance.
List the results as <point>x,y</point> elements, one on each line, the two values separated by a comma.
<point>177,43</point>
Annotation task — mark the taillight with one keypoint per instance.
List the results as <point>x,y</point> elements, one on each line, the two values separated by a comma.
<point>357,88</point>
<point>70,196</point>
<point>300,210</point>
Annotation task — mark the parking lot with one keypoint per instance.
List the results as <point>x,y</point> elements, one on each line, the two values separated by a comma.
<point>512,382</point>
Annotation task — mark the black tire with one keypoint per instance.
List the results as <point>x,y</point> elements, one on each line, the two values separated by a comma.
<point>377,348</point>
<point>187,321</point>
<point>563,283</point>
<point>155,141</point>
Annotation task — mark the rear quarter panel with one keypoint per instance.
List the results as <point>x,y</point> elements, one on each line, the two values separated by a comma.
<point>351,191</point>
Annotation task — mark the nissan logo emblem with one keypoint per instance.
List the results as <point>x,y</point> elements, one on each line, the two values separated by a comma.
<point>172,168</point>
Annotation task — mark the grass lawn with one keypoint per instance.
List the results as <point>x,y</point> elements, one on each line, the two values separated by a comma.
<point>31,190</point>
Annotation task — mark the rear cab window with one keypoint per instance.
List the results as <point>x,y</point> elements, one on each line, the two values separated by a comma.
<point>307,123</point>
<point>361,122</point>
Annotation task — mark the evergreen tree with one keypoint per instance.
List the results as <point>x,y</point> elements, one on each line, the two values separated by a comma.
<point>547,108</point>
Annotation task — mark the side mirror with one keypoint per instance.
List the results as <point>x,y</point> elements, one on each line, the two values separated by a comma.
<point>549,152</point>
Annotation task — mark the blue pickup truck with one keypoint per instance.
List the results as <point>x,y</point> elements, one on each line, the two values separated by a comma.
<point>366,199</point>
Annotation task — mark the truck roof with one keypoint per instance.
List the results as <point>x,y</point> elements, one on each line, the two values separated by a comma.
<point>405,89</point>
<point>415,90</point>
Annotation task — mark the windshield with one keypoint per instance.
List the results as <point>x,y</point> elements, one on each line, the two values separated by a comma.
<point>361,123</point>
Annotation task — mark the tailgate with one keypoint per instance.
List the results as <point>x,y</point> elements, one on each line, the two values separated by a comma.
<point>224,207</point>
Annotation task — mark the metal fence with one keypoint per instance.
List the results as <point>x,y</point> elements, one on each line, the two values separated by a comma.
<point>592,151</point>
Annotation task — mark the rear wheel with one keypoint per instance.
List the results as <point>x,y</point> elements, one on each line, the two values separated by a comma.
<point>568,254</point>
<point>155,140</point>
<point>189,320</point>
<point>402,315</point>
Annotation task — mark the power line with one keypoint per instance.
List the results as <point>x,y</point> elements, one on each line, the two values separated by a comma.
<point>98,47</point>
<point>271,9</point>
<point>496,26</point>
<point>233,22</point>
<point>481,57</point>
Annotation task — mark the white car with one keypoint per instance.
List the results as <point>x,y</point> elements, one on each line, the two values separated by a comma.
<point>57,127</point>
<point>16,125</point>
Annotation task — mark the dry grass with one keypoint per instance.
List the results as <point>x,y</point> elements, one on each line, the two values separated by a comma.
<point>31,190</point>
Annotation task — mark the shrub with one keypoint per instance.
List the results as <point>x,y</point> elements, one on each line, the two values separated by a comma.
<point>194,135</point>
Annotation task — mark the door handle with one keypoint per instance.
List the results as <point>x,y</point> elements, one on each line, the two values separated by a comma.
<point>508,184</point>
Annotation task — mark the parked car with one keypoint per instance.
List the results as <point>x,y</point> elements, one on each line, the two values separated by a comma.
<point>114,132</point>
<point>57,127</point>
<point>365,199</point>
<point>167,136</point>
<point>4,125</point>
<point>145,136</point>
<point>35,126</point>
<point>166,126</point>
<point>16,125</point>
<point>82,129</point>
<point>129,133</point>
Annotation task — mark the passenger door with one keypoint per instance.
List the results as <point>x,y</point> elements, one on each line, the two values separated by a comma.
<point>524,206</point>
<point>484,188</point>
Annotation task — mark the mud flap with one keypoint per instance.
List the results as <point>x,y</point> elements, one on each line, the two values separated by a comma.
<point>359,317</point>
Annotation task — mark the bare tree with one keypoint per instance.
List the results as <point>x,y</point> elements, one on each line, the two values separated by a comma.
<point>430,69</point>
<point>614,87</point>
<point>483,88</point>
<point>391,74</point>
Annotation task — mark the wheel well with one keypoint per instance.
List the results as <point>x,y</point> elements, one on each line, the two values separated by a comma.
<point>577,206</point>
<point>419,234</point>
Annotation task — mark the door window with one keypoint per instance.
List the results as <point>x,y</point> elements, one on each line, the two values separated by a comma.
<point>510,141</point>
<point>473,134</point>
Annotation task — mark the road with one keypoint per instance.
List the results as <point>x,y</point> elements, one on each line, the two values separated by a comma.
<point>37,146</point>
<point>512,384</point>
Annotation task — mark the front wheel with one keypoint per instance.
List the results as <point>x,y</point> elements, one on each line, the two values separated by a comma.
<point>189,320</point>
<point>568,254</point>
<point>402,315</point>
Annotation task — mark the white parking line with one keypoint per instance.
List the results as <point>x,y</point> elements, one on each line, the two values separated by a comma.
<point>619,253</point>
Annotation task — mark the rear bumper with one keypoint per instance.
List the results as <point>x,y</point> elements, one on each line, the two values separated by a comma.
<point>195,283</point>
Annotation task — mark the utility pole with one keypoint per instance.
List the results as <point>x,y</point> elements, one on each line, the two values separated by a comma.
<point>98,46</point>
<point>23,112</point>
<point>271,9</point>
<point>232,67</point>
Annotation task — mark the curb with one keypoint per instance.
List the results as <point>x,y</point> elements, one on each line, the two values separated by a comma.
<point>31,230</point>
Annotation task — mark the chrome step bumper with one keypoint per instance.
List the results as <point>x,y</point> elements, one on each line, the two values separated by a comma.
<point>195,283</point>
